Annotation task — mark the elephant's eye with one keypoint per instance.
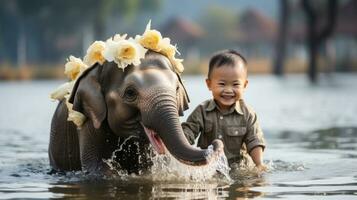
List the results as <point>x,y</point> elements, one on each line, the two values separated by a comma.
<point>130,94</point>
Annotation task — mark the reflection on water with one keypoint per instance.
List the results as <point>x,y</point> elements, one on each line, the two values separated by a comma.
<point>331,138</point>
<point>189,191</point>
<point>334,138</point>
<point>311,151</point>
<point>336,188</point>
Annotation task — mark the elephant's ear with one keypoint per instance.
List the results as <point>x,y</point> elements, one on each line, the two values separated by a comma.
<point>87,97</point>
<point>182,97</point>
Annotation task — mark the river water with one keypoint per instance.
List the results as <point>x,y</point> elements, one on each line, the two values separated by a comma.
<point>311,133</point>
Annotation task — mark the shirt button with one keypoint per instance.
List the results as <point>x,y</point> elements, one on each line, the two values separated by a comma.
<point>236,132</point>
<point>221,117</point>
<point>220,136</point>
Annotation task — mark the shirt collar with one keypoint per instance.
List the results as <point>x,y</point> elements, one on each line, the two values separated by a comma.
<point>212,105</point>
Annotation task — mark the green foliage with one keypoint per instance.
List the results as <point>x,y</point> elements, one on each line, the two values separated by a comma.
<point>222,28</point>
<point>43,22</point>
<point>219,20</point>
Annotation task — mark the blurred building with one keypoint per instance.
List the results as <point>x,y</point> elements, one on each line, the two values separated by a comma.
<point>257,34</point>
<point>185,33</point>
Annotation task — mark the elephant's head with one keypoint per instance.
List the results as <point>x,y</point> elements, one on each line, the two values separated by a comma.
<point>150,95</point>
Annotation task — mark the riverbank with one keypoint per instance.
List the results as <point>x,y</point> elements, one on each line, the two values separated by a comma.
<point>55,70</point>
<point>31,72</point>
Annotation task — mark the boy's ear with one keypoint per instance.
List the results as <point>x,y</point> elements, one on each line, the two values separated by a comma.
<point>246,83</point>
<point>208,83</point>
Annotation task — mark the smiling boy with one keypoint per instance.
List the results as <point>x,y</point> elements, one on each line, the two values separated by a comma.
<point>226,116</point>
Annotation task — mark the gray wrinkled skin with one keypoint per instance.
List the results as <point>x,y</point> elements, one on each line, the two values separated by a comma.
<point>117,104</point>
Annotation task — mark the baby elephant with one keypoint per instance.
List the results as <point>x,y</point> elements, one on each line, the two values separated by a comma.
<point>126,110</point>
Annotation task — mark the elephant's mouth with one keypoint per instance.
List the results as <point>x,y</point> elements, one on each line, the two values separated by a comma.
<point>155,140</point>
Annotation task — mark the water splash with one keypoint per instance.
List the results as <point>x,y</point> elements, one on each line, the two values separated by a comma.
<point>221,163</point>
<point>166,168</point>
<point>113,164</point>
<point>279,165</point>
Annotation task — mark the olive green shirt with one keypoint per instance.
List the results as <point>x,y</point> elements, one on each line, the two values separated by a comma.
<point>235,127</point>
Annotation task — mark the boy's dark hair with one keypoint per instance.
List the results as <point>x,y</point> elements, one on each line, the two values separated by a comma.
<point>225,57</point>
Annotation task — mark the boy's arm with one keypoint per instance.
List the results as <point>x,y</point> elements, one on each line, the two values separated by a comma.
<point>193,125</point>
<point>254,140</point>
<point>257,156</point>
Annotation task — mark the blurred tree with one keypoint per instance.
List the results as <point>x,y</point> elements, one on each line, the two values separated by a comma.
<point>282,37</point>
<point>42,23</point>
<point>126,9</point>
<point>29,15</point>
<point>221,25</point>
<point>316,32</point>
<point>7,49</point>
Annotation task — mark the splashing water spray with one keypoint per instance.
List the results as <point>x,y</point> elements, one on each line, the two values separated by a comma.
<point>113,164</point>
<point>166,168</point>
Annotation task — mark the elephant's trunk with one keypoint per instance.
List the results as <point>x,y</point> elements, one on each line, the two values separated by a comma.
<point>163,119</point>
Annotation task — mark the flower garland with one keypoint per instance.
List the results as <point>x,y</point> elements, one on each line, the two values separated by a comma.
<point>123,52</point>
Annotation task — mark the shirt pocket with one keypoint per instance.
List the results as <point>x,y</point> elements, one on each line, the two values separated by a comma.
<point>236,131</point>
<point>234,138</point>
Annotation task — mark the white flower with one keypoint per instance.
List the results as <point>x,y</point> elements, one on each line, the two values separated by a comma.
<point>76,117</point>
<point>74,67</point>
<point>167,49</point>
<point>124,52</point>
<point>95,53</point>
<point>62,91</point>
<point>177,64</point>
<point>118,37</point>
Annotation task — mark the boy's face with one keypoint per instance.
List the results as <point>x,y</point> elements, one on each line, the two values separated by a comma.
<point>227,84</point>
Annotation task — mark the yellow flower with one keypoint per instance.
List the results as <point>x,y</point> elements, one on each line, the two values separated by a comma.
<point>124,52</point>
<point>74,67</point>
<point>151,38</point>
<point>95,53</point>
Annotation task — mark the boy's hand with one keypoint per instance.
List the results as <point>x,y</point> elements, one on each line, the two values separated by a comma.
<point>262,168</point>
